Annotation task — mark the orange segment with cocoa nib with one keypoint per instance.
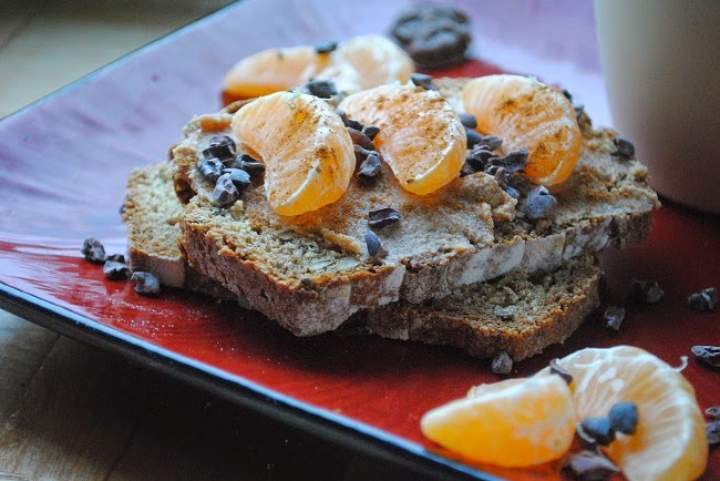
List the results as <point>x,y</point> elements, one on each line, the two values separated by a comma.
<point>358,63</point>
<point>513,423</point>
<point>307,151</point>
<point>669,443</point>
<point>528,114</point>
<point>421,138</point>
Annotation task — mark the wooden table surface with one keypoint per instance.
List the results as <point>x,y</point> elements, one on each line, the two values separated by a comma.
<point>72,412</point>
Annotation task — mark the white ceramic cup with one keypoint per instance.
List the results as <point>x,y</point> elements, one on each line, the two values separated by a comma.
<point>661,61</point>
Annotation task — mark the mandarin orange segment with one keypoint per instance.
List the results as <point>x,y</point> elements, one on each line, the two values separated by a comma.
<point>376,59</point>
<point>528,114</point>
<point>669,443</point>
<point>421,137</point>
<point>274,70</point>
<point>358,63</point>
<point>513,423</point>
<point>307,151</point>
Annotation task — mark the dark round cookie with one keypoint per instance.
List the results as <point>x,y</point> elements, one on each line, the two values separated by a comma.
<point>433,36</point>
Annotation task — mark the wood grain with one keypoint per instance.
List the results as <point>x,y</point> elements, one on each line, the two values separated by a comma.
<point>73,412</point>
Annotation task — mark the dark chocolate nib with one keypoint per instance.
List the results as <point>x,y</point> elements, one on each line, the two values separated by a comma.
<point>323,89</point>
<point>422,80</point>
<point>210,169</point>
<point>705,300</point>
<point>623,417</point>
<point>374,246</point>
<point>502,363</point>
<point>383,217</point>
<point>93,250</point>
<point>115,270</point>
<point>539,203</point>
<point>220,147</point>
<point>370,167</point>
<point>225,193</point>
<point>710,355</point>
<point>597,429</point>
<point>590,466</point>
<point>326,47</point>
<point>146,283</point>
<point>614,317</point>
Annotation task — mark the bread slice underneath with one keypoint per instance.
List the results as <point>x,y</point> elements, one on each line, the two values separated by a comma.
<point>519,313</point>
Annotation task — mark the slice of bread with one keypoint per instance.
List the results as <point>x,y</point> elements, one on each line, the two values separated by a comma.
<point>311,273</point>
<point>152,214</point>
<point>517,313</point>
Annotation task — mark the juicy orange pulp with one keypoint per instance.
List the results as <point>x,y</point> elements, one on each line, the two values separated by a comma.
<point>513,423</point>
<point>528,114</point>
<point>359,63</point>
<point>307,151</point>
<point>670,442</point>
<point>421,138</point>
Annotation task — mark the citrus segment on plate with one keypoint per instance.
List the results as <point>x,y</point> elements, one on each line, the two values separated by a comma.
<point>669,443</point>
<point>376,59</point>
<point>421,137</point>
<point>528,114</point>
<point>513,423</point>
<point>307,151</point>
<point>358,63</point>
<point>274,70</point>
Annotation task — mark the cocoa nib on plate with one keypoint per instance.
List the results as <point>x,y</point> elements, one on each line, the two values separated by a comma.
<point>146,283</point>
<point>93,250</point>
<point>648,292</point>
<point>710,355</point>
<point>614,317</point>
<point>704,300</point>
<point>502,364</point>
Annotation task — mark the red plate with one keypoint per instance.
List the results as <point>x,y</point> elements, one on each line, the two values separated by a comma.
<point>64,164</point>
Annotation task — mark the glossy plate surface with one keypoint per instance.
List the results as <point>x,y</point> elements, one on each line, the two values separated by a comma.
<point>65,160</point>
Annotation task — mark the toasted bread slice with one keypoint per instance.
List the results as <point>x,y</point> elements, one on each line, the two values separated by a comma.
<point>152,214</point>
<point>312,272</point>
<point>517,313</point>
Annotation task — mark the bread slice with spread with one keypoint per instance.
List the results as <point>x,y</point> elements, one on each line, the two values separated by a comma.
<point>518,313</point>
<point>313,271</point>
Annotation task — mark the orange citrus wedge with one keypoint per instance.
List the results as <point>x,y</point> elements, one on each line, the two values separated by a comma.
<point>421,137</point>
<point>669,443</point>
<point>274,70</point>
<point>376,59</point>
<point>513,423</point>
<point>528,114</point>
<point>307,151</point>
<point>358,63</point>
